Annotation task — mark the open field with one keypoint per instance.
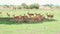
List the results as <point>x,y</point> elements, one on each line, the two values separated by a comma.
<point>47,27</point>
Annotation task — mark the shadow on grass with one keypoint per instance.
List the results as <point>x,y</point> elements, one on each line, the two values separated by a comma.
<point>29,22</point>
<point>49,20</point>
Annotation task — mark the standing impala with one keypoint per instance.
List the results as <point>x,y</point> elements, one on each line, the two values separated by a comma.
<point>50,16</point>
<point>30,14</point>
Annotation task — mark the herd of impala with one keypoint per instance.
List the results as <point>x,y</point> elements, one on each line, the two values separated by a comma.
<point>30,17</point>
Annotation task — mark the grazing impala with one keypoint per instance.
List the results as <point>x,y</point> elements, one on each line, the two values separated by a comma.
<point>21,18</point>
<point>17,18</point>
<point>30,14</point>
<point>40,17</point>
<point>37,18</point>
<point>50,16</point>
<point>25,18</point>
<point>34,19</point>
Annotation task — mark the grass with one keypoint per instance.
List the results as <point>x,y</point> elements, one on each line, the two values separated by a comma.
<point>46,27</point>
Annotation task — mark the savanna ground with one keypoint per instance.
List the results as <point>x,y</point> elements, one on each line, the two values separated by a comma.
<point>46,27</point>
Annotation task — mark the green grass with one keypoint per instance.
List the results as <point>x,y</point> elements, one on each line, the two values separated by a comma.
<point>47,27</point>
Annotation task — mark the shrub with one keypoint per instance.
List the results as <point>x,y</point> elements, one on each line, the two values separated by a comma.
<point>36,6</point>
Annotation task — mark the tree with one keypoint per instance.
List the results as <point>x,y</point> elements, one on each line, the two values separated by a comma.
<point>6,6</point>
<point>35,5</point>
<point>31,6</point>
<point>27,7</point>
<point>19,7</point>
<point>24,5</point>
<point>49,5</point>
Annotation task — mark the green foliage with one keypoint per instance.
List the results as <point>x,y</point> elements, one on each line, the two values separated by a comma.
<point>24,5</point>
<point>31,6</point>
<point>36,6</point>
<point>6,6</point>
<point>49,5</point>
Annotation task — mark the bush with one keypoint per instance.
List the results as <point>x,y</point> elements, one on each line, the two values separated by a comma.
<point>24,5</point>
<point>36,6</point>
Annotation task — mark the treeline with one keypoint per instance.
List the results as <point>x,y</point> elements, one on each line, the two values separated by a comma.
<point>31,6</point>
<point>23,6</point>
